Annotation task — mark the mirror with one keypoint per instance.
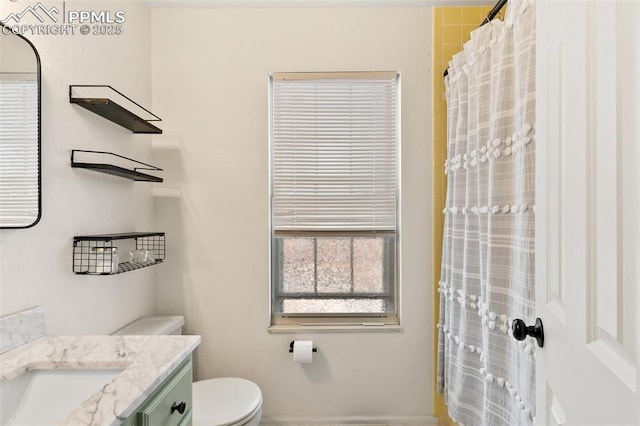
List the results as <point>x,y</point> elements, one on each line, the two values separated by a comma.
<point>20,200</point>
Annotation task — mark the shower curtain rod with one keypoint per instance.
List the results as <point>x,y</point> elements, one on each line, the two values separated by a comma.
<point>492,14</point>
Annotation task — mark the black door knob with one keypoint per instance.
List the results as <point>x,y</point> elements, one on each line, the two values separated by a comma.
<point>179,407</point>
<point>522,330</point>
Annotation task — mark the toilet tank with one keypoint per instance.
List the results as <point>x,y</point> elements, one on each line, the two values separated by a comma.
<point>153,325</point>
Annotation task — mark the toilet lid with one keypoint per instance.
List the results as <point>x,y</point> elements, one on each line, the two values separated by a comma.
<point>224,401</point>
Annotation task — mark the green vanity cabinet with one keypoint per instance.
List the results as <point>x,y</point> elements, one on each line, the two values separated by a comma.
<point>170,404</point>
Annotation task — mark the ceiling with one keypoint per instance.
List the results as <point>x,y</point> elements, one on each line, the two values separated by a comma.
<point>312,3</point>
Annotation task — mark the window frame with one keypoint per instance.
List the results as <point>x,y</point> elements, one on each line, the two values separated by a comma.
<point>367,320</point>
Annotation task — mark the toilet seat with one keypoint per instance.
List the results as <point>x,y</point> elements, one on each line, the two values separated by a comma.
<point>225,401</point>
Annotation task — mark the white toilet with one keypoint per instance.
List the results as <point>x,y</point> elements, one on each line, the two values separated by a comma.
<point>225,401</point>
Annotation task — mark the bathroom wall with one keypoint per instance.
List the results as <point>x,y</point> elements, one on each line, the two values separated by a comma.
<point>452,28</point>
<point>209,77</point>
<point>35,263</point>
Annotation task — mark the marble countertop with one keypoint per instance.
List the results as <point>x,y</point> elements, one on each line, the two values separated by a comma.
<point>146,361</point>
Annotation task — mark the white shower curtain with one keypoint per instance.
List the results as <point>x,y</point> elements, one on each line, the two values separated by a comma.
<point>487,278</point>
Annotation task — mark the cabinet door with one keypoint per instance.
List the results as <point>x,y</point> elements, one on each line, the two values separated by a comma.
<point>156,410</point>
<point>162,408</point>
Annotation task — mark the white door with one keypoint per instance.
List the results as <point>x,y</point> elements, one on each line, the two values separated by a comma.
<point>587,210</point>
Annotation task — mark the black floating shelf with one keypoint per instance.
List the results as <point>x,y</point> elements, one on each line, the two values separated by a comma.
<point>125,267</point>
<point>98,255</point>
<point>132,173</point>
<point>109,109</point>
<point>118,236</point>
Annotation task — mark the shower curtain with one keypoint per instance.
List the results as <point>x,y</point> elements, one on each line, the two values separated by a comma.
<point>487,278</point>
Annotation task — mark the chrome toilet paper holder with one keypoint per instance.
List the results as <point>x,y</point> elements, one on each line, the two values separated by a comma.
<point>291,347</point>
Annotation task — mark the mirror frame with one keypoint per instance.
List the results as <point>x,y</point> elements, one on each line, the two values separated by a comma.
<point>35,51</point>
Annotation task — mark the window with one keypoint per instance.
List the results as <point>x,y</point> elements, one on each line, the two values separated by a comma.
<point>334,143</point>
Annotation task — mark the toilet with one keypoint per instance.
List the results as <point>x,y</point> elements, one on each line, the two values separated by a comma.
<point>224,401</point>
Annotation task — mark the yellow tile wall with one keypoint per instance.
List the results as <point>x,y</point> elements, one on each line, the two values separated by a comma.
<point>451,29</point>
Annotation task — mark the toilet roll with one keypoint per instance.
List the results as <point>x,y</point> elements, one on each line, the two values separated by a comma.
<point>303,351</point>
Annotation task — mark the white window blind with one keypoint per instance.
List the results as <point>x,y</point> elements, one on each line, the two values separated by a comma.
<point>18,151</point>
<point>334,151</point>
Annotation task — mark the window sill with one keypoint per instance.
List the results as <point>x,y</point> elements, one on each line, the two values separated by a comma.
<point>332,328</point>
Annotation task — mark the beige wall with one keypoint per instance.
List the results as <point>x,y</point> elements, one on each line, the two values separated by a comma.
<point>35,263</point>
<point>209,80</point>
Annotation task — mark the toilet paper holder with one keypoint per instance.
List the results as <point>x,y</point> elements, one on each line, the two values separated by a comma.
<point>291,347</point>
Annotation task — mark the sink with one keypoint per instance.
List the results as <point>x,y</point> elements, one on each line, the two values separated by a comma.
<point>40,397</point>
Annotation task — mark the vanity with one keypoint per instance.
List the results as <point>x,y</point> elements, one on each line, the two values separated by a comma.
<point>170,404</point>
<point>97,380</point>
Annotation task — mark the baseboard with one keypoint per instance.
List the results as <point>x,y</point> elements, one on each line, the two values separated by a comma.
<point>351,421</point>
